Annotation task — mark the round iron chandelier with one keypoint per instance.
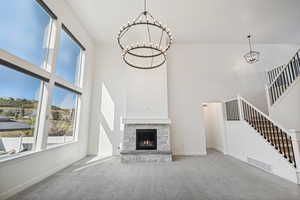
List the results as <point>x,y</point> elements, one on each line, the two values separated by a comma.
<point>252,56</point>
<point>146,50</point>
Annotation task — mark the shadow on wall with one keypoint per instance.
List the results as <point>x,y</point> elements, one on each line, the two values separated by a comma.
<point>109,126</point>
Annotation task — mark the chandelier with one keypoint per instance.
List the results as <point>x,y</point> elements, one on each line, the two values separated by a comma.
<point>252,56</point>
<point>146,50</point>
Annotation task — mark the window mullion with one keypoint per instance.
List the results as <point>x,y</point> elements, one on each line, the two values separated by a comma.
<point>45,110</point>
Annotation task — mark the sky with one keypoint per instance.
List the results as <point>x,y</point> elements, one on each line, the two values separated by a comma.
<point>25,26</point>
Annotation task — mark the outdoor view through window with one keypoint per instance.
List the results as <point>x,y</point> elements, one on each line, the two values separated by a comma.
<point>18,109</point>
<point>61,122</point>
<point>25,34</point>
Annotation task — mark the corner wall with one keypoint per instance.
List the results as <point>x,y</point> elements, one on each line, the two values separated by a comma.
<point>197,73</point>
<point>20,173</point>
<point>286,110</point>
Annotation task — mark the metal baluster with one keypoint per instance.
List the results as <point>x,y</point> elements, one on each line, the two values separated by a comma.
<point>298,61</point>
<point>292,71</point>
<point>287,146</point>
<point>282,143</point>
<point>244,111</point>
<point>272,94</point>
<point>252,117</point>
<point>295,67</point>
<point>268,128</point>
<point>277,89</point>
<point>287,77</point>
<point>260,123</point>
<point>272,130</point>
<point>293,154</point>
<point>284,80</point>
<point>249,114</point>
<point>278,140</point>
<point>265,128</point>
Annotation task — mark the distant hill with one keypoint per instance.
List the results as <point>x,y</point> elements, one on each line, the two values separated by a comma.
<point>11,102</point>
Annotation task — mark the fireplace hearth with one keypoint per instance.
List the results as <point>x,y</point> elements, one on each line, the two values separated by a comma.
<point>146,139</point>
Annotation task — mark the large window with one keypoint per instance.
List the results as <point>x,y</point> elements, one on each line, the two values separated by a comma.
<point>38,105</point>
<point>62,118</point>
<point>69,58</point>
<point>25,30</point>
<point>19,99</point>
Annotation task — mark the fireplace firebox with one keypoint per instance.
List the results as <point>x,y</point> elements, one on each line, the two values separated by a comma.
<point>146,139</point>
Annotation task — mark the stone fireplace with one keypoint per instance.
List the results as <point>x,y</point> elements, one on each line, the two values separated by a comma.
<point>146,136</point>
<point>146,142</point>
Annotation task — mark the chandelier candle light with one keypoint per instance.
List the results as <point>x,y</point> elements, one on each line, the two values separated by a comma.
<point>252,56</point>
<point>148,51</point>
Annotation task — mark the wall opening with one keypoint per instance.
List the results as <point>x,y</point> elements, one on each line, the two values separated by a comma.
<point>214,126</point>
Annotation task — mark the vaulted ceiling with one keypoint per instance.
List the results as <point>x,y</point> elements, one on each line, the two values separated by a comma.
<point>203,21</point>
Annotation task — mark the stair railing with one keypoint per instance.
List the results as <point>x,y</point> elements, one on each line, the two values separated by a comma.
<point>286,142</point>
<point>284,79</point>
<point>272,74</point>
<point>232,110</point>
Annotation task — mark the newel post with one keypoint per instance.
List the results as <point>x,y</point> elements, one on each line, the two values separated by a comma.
<point>296,146</point>
<point>240,106</point>
<point>268,97</point>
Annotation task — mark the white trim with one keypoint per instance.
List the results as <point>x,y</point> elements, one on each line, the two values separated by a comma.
<point>145,121</point>
<point>62,82</point>
<point>229,100</point>
<point>24,65</point>
<point>29,155</point>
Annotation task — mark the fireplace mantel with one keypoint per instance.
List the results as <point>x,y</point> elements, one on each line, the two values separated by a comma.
<point>145,121</point>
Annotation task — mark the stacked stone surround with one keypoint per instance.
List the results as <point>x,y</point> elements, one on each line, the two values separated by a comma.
<point>163,152</point>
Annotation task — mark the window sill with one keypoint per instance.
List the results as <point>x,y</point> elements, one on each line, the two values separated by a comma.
<point>6,160</point>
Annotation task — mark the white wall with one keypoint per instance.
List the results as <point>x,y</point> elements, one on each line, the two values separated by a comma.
<point>146,93</point>
<point>243,142</point>
<point>214,126</point>
<point>20,173</point>
<point>209,73</point>
<point>286,109</point>
<point>197,73</point>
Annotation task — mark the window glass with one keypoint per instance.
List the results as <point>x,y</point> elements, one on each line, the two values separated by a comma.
<point>19,96</point>
<point>24,29</point>
<point>68,60</point>
<point>62,118</point>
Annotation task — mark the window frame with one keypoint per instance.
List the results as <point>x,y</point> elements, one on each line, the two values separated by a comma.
<point>48,81</point>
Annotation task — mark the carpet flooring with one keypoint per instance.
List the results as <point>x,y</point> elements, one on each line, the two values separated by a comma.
<point>211,177</point>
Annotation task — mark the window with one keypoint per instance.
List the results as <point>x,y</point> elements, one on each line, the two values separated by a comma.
<point>62,117</point>
<point>19,99</point>
<point>69,58</point>
<point>29,89</point>
<point>24,30</point>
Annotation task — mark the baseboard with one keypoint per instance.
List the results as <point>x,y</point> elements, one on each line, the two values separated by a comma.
<point>13,191</point>
<point>190,154</point>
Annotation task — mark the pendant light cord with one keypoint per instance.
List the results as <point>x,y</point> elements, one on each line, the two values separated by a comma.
<point>249,37</point>
<point>145,5</point>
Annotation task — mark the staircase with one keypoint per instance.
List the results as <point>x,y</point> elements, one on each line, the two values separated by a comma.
<point>255,137</point>
<point>281,78</point>
<point>284,142</point>
<point>273,133</point>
